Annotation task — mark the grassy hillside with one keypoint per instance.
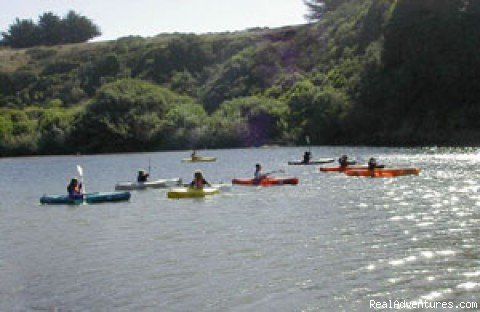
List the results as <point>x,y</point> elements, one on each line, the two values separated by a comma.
<point>370,72</point>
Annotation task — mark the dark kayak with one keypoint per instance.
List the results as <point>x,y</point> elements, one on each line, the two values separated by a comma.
<point>267,181</point>
<point>311,162</point>
<point>89,198</point>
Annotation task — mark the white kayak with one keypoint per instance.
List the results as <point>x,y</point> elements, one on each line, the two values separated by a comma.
<point>161,183</point>
<point>224,187</point>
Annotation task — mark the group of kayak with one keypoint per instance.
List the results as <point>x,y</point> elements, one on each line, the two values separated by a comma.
<point>200,187</point>
<point>349,167</point>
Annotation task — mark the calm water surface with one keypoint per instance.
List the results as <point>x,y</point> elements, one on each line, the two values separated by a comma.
<point>332,243</point>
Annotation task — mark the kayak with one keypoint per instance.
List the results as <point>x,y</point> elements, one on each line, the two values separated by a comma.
<point>267,181</point>
<point>343,169</point>
<point>223,187</point>
<point>311,162</point>
<point>190,192</point>
<point>383,173</point>
<point>161,183</point>
<point>199,159</point>
<point>89,198</point>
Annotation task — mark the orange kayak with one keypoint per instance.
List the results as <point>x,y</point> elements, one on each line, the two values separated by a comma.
<point>382,173</point>
<point>266,181</point>
<point>341,169</point>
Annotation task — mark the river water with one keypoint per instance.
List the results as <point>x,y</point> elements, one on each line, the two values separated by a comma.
<point>332,243</point>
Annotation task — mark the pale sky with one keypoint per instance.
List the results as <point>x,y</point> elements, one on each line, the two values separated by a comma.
<point>150,17</point>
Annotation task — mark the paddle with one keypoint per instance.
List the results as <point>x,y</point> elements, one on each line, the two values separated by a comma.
<point>275,171</point>
<point>149,168</point>
<point>80,173</point>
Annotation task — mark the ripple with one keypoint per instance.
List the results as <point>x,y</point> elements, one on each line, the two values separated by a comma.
<point>427,254</point>
<point>472,274</point>
<point>436,294</point>
<point>402,261</point>
<point>446,252</point>
<point>468,285</point>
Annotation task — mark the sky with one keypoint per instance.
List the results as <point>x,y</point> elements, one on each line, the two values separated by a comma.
<point>147,18</point>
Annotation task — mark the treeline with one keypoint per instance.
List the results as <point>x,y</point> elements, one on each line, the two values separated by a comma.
<point>50,30</point>
<point>425,85</point>
<point>134,115</point>
<point>377,72</point>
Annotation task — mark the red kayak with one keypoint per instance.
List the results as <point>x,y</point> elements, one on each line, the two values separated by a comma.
<point>383,173</point>
<point>266,181</point>
<point>343,169</point>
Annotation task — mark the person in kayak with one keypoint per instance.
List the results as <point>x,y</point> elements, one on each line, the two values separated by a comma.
<point>194,154</point>
<point>372,164</point>
<point>198,180</point>
<point>74,189</point>
<point>258,175</point>
<point>142,176</point>
<point>307,156</point>
<point>343,161</point>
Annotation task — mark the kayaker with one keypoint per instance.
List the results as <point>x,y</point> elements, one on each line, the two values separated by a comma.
<point>258,175</point>
<point>198,181</point>
<point>194,154</point>
<point>74,189</point>
<point>372,164</point>
<point>343,161</point>
<point>142,176</point>
<point>306,157</point>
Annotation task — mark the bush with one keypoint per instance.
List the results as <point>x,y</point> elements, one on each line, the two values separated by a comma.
<point>250,121</point>
<point>127,115</point>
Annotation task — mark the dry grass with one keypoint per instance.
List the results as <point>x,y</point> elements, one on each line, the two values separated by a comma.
<point>12,59</point>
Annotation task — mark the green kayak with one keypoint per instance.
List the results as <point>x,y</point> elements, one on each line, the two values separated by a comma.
<point>89,198</point>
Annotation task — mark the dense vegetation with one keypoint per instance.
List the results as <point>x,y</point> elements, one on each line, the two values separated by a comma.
<point>377,72</point>
<point>50,30</point>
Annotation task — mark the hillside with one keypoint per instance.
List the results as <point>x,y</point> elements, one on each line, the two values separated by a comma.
<point>378,72</point>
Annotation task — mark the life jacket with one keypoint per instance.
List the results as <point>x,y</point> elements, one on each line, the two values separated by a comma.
<point>73,190</point>
<point>198,183</point>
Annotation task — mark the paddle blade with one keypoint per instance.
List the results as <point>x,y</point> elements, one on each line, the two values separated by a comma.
<point>80,170</point>
<point>307,139</point>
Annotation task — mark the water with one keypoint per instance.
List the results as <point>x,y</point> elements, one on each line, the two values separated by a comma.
<point>331,243</point>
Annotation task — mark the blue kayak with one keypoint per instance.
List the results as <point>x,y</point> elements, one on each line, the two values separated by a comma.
<point>89,198</point>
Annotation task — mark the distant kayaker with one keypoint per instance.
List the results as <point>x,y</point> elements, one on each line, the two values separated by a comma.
<point>142,176</point>
<point>372,164</point>
<point>198,181</point>
<point>194,154</point>
<point>258,175</point>
<point>343,161</point>
<point>74,189</point>
<point>307,156</point>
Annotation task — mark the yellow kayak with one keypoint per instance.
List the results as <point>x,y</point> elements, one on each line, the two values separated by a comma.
<point>190,192</point>
<point>199,159</point>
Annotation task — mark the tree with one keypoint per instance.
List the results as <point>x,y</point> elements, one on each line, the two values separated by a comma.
<point>250,121</point>
<point>50,30</point>
<point>318,8</point>
<point>126,115</point>
<point>22,34</point>
<point>79,28</point>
